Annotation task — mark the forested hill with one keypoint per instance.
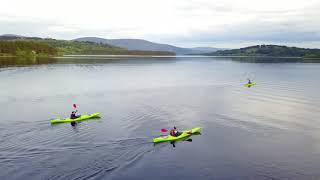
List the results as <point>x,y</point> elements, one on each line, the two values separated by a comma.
<point>269,50</point>
<point>144,45</point>
<point>21,46</point>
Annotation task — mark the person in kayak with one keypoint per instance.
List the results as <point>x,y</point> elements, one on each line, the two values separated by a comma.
<point>174,132</point>
<point>249,81</point>
<point>73,115</point>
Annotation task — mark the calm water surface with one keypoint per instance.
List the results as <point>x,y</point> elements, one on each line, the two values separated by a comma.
<point>269,131</point>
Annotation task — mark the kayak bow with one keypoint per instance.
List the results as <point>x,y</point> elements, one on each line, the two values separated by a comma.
<point>81,118</point>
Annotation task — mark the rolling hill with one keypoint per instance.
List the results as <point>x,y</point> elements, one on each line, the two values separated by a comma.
<point>10,44</point>
<point>140,44</point>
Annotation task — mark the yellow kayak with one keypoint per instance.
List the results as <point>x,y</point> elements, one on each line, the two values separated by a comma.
<point>81,118</point>
<point>173,138</point>
<point>251,84</point>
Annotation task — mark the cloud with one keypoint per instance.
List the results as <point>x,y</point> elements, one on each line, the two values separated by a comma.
<point>203,22</point>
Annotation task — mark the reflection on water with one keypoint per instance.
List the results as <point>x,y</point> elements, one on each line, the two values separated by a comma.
<point>186,139</point>
<point>21,61</point>
<point>268,131</point>
<point>174,142</point>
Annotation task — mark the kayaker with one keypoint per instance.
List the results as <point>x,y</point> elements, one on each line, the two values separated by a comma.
<point>249,81</point>
<point>73,115</point>
<point>174,132</point>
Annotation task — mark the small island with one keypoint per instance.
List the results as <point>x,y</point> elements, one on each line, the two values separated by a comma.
<point>269,51</point>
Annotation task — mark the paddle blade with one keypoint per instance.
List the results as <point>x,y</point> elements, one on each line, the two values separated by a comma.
<point>164,130</point>
<point>75,106</point>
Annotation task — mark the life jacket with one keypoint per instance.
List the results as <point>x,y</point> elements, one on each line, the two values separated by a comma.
<point>172,132</point>
<point>73,116</point>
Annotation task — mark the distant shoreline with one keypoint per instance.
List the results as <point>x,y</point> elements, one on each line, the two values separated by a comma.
<point>157,56</point>
<point>107,55</point>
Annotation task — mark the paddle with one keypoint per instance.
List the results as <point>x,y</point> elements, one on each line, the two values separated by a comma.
<point>75,107</point>
<point>164,130</point>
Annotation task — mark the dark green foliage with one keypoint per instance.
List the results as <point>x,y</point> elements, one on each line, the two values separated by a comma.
<point>76,48</point>
<point>51,47</point>
<point>269,50</point>
<point>26,47</point>
<point>91,48</point>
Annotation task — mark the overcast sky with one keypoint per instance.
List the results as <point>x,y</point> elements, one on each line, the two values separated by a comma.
<point>215,23</point>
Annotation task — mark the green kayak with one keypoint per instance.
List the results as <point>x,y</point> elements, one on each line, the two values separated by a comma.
<point>172,138</point>
<point>81,118</point>
<point>252,84</point>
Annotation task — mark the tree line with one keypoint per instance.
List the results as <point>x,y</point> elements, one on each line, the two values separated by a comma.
<point>52,47</point>
<point>17,47</point>
<point>269,50</point>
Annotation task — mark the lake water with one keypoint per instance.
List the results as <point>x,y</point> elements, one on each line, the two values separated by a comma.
<point>268,131</point>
